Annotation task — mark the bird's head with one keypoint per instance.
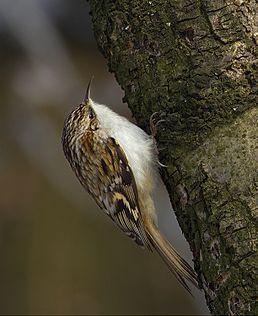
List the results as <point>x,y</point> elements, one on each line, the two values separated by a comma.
<point>83,118</point>
<point>80,121</point>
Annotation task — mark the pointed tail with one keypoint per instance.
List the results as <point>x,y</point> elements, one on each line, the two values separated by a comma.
<point>176,264</point>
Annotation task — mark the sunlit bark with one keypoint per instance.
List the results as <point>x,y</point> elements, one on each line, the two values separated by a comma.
<point>196,63</point>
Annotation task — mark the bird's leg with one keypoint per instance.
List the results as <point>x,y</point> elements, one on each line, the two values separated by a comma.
<point>154,130</point>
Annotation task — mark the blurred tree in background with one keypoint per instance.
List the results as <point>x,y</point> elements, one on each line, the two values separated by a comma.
<point>59,254</point>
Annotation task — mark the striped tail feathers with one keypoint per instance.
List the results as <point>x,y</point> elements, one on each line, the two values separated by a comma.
<point>176,264</point>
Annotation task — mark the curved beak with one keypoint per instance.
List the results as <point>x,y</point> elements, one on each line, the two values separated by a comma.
<point>87,95</point>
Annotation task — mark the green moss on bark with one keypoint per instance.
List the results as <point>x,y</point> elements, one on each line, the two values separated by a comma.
<point>222,207</point>
<point>197,63</point>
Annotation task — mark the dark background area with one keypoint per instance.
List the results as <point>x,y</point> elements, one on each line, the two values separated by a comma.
<point>59,254</point>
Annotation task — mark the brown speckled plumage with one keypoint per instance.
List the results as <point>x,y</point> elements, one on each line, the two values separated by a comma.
<point>120,185</point>
<point>101,166</point>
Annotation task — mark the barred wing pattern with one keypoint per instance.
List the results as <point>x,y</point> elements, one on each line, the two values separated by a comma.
<point>118,195</point>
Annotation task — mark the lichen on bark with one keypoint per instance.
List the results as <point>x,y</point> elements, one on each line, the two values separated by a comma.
<point>196,62</point>
<point>222,204</point>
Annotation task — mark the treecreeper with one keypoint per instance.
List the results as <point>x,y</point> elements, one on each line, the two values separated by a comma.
<point>117,163</point>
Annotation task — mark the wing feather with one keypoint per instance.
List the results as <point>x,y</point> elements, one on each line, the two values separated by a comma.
<point>119,193</point>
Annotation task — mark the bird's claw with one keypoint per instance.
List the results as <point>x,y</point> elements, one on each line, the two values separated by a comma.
<point>153,124</point>
<point>153,129</point>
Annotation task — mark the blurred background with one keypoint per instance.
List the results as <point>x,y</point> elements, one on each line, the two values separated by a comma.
<point>58,253</point>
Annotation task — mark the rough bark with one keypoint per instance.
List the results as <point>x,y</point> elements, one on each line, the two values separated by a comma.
<point>196,62</point>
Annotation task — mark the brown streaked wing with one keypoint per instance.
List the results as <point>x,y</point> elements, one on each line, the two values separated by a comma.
<point>119,195</point>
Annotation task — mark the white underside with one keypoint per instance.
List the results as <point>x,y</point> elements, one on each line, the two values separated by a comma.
<point>137,145</point>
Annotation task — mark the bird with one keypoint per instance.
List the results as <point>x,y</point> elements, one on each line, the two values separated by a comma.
<point>117,164</point>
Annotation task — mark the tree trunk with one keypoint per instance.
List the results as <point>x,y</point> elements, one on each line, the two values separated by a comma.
<point>195,62</point>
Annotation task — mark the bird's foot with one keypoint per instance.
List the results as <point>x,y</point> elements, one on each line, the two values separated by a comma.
<point>153,128</point>
<point>154,124</point>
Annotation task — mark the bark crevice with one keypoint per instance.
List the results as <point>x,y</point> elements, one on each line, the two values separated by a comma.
<point>197,63</point>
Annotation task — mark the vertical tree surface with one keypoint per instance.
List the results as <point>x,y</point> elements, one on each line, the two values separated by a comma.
<point>196,63</point>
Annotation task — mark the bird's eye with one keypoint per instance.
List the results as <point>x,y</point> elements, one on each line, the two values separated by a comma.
<point>91,115</point>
